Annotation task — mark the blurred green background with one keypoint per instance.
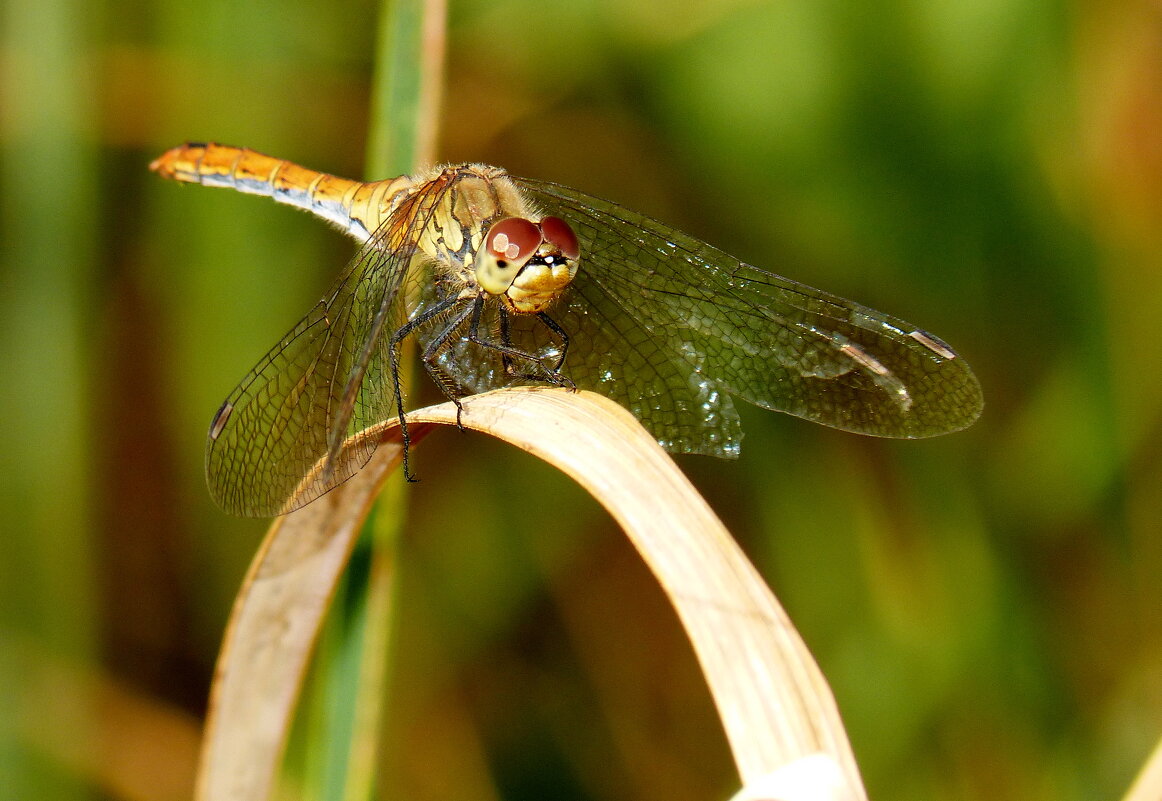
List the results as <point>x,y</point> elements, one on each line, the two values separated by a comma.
<point>985,605</point>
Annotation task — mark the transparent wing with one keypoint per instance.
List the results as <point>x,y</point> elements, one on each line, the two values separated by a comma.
<point>681,326</point>
<point>328,379</point>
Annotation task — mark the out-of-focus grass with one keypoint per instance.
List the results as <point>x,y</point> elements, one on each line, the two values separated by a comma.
<point>984,604</point>
<point>47,576</point>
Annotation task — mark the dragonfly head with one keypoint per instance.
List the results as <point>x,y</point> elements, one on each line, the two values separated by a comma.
<point>528,264</point>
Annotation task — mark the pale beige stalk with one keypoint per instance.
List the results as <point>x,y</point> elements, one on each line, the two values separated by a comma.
<point>778,713</point>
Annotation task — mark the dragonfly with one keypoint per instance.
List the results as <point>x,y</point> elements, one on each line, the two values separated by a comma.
<point>505,281</point>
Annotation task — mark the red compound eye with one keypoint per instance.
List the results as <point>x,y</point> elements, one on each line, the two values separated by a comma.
<point>513,239</point>
<point>557,232</point>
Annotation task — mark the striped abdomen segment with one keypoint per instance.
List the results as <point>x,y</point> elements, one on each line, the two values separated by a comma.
<point>354,206</point>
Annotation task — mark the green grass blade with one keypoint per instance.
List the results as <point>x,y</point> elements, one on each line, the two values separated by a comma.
<point>407,87</point>
<point>354,658</point>
<point>48,189</point>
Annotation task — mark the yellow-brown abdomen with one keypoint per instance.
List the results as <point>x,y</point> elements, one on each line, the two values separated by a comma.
<point>356,207</point>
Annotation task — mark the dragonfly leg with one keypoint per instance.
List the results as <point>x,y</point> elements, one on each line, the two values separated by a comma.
<point>457,311</point>
<point>447,384</point>
<point>509,352</point>
<point>506,340</point>
<point>393,350</point>
<point>553,326</point>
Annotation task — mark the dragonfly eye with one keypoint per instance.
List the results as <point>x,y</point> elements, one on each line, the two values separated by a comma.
<point>513,239</point>
<point>508,246</point>
<point>557,232</point>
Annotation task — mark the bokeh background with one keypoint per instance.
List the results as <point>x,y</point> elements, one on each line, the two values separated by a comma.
<point>985,605</point>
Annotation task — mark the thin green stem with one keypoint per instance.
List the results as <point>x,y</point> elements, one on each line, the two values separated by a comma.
<point>356,655</point>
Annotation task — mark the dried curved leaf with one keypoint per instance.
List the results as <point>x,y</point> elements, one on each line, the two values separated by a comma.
<point>1148,783</point>
<point>775,705</point>
<point>273,628</point>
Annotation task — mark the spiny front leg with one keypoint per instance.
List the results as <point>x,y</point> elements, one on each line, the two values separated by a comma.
<point>553,326</point>
<point>552,375</point>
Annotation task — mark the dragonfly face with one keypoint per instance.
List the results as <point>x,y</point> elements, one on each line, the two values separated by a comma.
<point>527,264</point>
<point>504,280</point>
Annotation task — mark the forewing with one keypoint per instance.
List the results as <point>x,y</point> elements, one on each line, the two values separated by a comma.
<point>328,379</point>
<point>680,304</point>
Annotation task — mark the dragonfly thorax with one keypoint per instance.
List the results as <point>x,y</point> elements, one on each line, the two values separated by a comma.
<point>527,264</point>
